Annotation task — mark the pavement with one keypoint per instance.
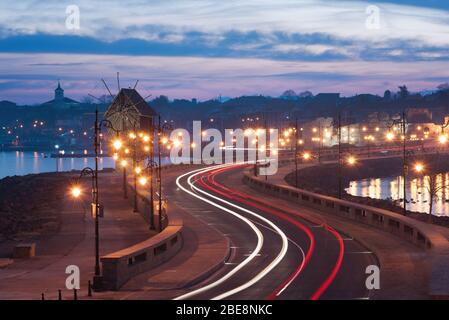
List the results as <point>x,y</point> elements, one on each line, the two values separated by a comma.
<point>204,249</point>
<point>74,245</point>
<point>204,252</point>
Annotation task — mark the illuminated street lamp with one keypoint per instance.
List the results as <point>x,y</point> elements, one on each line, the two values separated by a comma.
<point>390,136</point>
<point>442,139</point>
<point>351,160</point>
<point>97,211</point>
<point>76,191</point>
<point>117,144</point>
<point>143,180</point>
<point>419,167</point>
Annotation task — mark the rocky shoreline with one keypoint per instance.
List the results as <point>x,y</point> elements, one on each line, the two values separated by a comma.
<point>30,205</point>
<point>324,180</point>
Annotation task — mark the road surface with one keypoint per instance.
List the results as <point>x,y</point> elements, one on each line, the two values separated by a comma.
<point>276,253</point>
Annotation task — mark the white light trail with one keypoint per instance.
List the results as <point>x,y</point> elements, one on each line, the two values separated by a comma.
<point>261,274</point>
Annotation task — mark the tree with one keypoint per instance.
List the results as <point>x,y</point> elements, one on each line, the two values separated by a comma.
<point>306,94</point>
<point>433,185</point>
<point>403,92</point>
<point>387,95</point>
<point>434,182</point>
<point>289,95</point>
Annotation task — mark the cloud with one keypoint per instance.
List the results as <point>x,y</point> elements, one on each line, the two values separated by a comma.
<point>204,78</point>
<point>206,48</point>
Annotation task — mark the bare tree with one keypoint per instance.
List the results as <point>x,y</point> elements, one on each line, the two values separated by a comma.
<point>434,184</point>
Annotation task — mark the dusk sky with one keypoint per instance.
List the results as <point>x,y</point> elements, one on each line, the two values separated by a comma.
<point>187,49</point>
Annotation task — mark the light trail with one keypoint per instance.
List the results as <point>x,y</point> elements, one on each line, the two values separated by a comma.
<point>283,286</point>
<point>247,221</point>
<point>243,198</point>
<point>267,269</point>
<point>261,274</point>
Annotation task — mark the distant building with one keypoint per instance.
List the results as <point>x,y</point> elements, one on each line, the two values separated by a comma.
<point>61,102</point>
<point>419,115</point>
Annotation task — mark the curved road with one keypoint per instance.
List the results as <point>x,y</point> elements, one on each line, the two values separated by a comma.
<point>276,252</point>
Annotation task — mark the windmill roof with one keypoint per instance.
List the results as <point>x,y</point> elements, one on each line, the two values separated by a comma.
<point>131,96</point>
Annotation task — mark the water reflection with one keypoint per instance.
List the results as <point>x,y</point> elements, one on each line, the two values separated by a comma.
<point>417,190</point>
<point>22,163</point>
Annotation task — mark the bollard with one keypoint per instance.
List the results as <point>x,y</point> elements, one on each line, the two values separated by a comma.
<point>75,294</point>
<point>59,294</point>
<point>42,296</point>
<point>89,289</point>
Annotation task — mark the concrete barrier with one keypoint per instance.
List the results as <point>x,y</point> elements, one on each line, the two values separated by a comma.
<point>120,266</point>
<point>414,231</point>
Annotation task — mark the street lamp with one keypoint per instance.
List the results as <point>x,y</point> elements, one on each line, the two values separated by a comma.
<point>117,143</point>
<point>306,156</point>
<point>351,160</point>
<point>390,137</point>
<point>161,128</point>
<point>124,164</point>
<point>96,211</point>
<point>442,138</point>
<point>149,167</point>
<point>76,191</point>
<point>419,167</point>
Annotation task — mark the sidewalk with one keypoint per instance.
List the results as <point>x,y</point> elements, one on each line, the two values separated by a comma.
<point>204,252</point>
<point>74,245</point>
<point>204,249</point>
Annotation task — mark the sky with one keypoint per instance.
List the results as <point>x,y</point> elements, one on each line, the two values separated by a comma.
<point>203,48</point>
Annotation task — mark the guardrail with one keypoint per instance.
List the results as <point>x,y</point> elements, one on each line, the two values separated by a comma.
<point>419,233</point>
<point>120,266</point>
<point>379,218</point>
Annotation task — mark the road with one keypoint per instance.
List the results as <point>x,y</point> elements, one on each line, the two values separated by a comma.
<point>276,252</point>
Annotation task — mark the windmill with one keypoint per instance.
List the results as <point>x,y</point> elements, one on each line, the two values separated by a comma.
<point>129,110</point>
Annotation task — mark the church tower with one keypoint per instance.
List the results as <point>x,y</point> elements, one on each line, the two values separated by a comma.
<point>59,93</point>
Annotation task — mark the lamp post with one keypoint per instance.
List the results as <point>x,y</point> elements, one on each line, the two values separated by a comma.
<point>257,152</point>
<point>161,128</point>
<point>390,137</point>
<point>340,178</point>
<point>149,168</point>
<point>76,192</point>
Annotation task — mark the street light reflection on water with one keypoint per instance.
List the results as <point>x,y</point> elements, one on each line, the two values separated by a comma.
<point>417,192</point>
<point>27,162</point>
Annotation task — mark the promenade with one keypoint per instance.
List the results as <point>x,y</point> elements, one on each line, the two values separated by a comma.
<point>203,252</point>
